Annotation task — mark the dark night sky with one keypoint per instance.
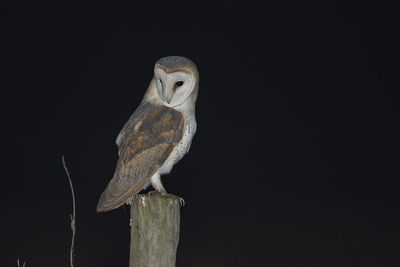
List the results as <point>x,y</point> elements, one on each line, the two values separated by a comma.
<point>295,159</point>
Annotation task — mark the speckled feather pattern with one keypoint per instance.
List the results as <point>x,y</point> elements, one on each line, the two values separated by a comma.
<point>157,135</point>
<point>176,62</point>
<point>145,143</point>
<point>182,147</point>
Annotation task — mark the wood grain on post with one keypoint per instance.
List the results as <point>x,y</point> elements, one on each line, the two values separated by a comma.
<point>155,223</point>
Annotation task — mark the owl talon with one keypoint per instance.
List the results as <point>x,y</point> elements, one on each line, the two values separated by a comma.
<point>181,200</point>
<point>128,201</point>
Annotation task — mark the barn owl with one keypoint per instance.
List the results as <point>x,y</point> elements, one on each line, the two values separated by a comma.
<point>157,135</point>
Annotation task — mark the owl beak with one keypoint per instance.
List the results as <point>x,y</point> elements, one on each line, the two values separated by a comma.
<point>169,100</point>
<point>167,94</point>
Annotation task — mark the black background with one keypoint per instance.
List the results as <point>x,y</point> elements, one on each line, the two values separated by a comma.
<point>295,159</point>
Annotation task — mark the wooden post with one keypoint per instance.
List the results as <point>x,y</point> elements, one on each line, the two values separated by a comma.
<point>155,223</point>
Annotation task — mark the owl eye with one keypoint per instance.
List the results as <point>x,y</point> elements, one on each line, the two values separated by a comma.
<point>179,83</point>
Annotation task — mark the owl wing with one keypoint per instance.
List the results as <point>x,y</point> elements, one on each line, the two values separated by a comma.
<point>144,145</point>
<point>137,116</point>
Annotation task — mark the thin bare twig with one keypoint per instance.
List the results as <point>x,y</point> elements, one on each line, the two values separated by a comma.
<point>71,251</point>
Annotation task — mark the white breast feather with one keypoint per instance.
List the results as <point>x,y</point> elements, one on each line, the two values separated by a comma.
<point>183,147</point>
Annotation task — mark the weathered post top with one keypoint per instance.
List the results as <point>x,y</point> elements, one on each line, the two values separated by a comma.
<point>155,221</point>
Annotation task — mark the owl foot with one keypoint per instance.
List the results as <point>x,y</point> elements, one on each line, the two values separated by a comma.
<point>181,200</point>
<point>165,194</point>
<point>128,201</point>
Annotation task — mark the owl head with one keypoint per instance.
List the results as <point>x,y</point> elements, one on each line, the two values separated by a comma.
<point>175,80</point>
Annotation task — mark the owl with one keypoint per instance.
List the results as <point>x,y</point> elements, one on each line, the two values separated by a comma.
<point>157,135</point>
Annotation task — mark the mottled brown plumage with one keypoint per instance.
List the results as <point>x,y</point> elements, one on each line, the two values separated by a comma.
<point>144,144</point>
<point>157,135</point>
